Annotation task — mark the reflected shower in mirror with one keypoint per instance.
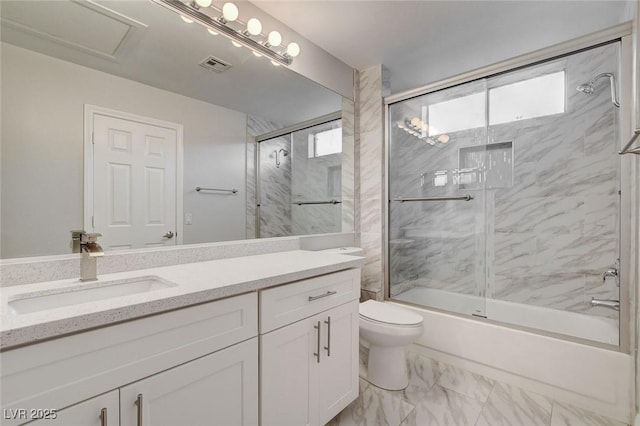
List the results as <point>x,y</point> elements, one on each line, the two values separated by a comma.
<point>110,124</point>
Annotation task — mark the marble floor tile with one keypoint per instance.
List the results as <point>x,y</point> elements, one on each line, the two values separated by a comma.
<point>443,407</point>
<point>363,358</point>
<point>374,407</point>
<point>511,406</point>
<point>441,394</point>
<point>567,415</point>
<point>465,382</point>
<point>423,373</point>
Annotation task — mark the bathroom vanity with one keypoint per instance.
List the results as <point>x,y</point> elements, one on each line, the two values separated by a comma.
<point>269,339</point>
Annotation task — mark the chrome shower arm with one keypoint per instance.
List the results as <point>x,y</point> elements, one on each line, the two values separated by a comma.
<point>612,83</point>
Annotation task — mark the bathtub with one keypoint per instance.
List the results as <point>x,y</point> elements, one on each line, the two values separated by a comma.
<point>590,327</point>
<point>595,378</point>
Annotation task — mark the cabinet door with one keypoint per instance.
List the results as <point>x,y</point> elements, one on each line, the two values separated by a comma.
<point>218,389</point>
<point>87,413</point>
<point>289,375</point>
<point>339,369</point>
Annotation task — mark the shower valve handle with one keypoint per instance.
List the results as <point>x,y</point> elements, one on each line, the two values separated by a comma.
<point>611,272</point>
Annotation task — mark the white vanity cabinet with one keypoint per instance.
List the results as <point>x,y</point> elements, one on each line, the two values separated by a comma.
<point>199,362</point>
<point>292,348</point>
<point>218,389</point>
<point>309,349</point>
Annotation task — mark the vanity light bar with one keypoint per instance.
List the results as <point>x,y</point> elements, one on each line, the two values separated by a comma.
<point>215,25</point>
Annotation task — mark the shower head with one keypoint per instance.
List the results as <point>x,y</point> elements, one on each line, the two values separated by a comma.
<point>284,154</point>
<point>588,87</point>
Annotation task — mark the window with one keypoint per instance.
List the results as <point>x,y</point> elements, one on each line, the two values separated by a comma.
<point>531,98</point>
<point>325,142</point>
<point>466,112</point>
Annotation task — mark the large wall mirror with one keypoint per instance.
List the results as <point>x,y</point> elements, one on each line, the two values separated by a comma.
<point>113,121</point>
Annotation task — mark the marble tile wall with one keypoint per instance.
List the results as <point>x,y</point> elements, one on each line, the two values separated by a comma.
<point>275,182</point>
<point>315,179</point>
<point>256,126</point>
<point>348,165</point>
<point>549,235</point>
<point>275,188</point>
<point>373,85</point>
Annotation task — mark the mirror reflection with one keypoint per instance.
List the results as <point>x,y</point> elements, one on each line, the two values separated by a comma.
<point>112,117</point>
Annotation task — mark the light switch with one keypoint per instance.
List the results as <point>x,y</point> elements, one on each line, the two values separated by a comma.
<point>188,218</point>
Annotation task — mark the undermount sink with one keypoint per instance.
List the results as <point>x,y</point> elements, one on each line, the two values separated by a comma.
<point>41,301</point>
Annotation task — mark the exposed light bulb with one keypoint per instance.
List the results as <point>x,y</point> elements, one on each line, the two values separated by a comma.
<point>443,138</point>
<point>211,31</point>
<point>203,3</point>
<point>230,12</point>
<point>275,64</point>
<point>275,39</point>
<point>293,50</point>
<point>254,27</point>
<point>187,20</point>
<point>259,55</point>
<point>236,44</point>
<point>415,121</point>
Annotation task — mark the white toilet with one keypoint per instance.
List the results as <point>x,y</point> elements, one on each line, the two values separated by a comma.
<point>388,329</point>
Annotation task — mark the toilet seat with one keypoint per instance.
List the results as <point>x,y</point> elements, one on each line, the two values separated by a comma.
<point>387,314</point>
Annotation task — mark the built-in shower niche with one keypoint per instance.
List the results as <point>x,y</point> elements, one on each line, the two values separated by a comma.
<point>485,166</point>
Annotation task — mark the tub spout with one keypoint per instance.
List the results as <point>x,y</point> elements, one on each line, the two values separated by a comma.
<point>611,304</point>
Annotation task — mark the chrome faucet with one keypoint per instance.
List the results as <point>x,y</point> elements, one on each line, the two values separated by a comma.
<point>91,250</point>
<point>611,304</point>
<point>611,272</point>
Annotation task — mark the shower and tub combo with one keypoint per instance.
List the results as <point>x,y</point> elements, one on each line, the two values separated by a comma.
<point>515,216</point>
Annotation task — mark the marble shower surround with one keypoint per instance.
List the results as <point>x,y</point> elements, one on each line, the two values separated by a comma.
<point>275,183</point>
<point>552,233</point>
<point>373,85</point>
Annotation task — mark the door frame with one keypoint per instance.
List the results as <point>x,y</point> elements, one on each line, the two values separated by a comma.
<point>90,111</point>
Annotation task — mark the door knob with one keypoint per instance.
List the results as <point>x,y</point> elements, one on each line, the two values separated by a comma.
<point>168,235</point>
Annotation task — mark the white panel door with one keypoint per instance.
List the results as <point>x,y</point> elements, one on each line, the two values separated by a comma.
<point>218,389</point>
<point>134,183</point>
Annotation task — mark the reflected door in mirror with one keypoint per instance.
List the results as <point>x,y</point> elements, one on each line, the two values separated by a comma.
<point>134,183</point>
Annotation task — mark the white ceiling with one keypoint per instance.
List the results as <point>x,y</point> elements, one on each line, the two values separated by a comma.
<point>163,52</point>
<point>425,41</point>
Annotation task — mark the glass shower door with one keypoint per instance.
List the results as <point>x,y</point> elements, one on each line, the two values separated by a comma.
<point>437,224</point>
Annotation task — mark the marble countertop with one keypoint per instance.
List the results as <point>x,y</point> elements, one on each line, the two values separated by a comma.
<point>196,283</point>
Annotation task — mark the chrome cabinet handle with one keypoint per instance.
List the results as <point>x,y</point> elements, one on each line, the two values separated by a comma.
<point>328,347</point>
<point>139,404</point>
<point>317,352</point>
<point>103,417</point>
<point>168,235</point>
<point>327,294</point>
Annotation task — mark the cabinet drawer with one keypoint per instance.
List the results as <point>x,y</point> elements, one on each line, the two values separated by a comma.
<point>80,366</point>
<point>301,299</point>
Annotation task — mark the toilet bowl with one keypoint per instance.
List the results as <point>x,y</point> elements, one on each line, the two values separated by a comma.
<point>388,329</point>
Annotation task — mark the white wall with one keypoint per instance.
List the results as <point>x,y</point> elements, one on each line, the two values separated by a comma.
<point>314,63</point>
<point>42,151</point>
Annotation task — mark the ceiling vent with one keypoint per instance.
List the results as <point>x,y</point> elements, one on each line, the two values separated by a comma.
<point>214,64</point>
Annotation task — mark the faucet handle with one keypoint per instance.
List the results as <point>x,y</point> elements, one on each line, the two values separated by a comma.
<point>90,237</point>
<point>611,272</point>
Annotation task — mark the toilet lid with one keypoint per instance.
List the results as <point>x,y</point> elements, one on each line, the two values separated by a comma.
<point>387,313</point>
